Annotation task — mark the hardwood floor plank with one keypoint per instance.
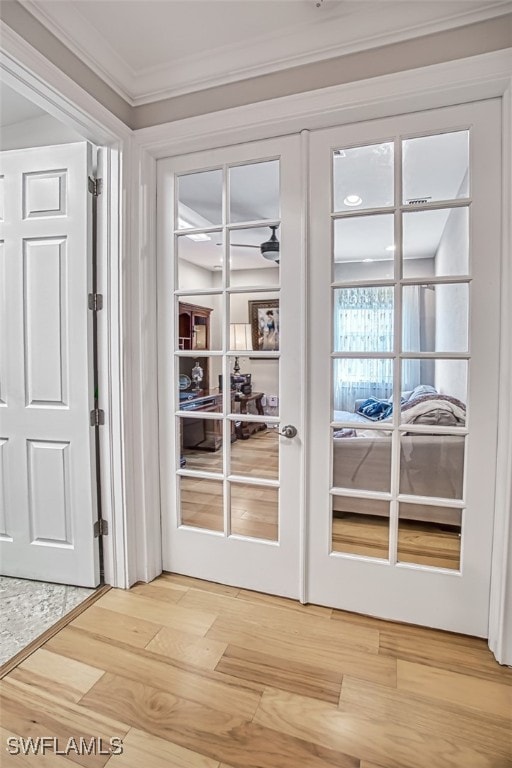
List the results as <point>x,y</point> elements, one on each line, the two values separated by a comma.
<point>186,619</point>
<point>453,687</point>
<point>424,634</point>
<point>383,742</point>
<point>27,714</point>
<point>481,731</point>
<point>117,626</point>
<point>205,586</point>
<point>288,624</point>
<point>294,646</point>
<point>167,595</point>
<point>30,760</point>
<point>198,652</point>
<point>366,764</point>
<point>196,675</point>
<point>144,750</point>
<point>472,659</point>
<point>208,688</point>
<point>281,673</point>
<point>220,736</point>
<point>65,678</point>
<point>283,602</point>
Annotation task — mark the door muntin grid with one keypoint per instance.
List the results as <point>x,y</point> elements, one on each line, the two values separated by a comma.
<point>223,236</point>
<point>362,275</point>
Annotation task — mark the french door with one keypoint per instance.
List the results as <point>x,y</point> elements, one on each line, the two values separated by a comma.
<point>230,364</point>
<point>402,290</point>
<point>404,279</point>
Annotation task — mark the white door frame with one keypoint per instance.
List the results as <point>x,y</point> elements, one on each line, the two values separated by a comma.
<point>32,75</point>
<point>479,77</point>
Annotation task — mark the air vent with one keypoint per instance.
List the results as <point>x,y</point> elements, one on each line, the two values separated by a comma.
<point>419,200</point>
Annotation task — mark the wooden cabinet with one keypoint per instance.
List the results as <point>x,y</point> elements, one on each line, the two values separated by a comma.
<point>194,333</point>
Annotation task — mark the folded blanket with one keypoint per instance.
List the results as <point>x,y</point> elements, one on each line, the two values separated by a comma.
<point>434,409</point>
<point>441,410</point>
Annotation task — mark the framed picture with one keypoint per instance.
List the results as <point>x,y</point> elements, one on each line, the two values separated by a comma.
<point>264,319</point>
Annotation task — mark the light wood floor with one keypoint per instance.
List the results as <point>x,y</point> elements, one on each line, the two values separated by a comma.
<point>254,511</point>
<point>197,675</point>
<point>422,543</point>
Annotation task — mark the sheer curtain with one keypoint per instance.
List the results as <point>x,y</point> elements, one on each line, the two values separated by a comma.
<point>411,336</point>
<point>363,322</point>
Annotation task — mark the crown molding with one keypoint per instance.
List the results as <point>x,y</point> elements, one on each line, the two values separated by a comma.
<point>484,76</point>
<point>30,73</point>
<point>72,29</point>
<point>295,48</point>
<point>215,68</point>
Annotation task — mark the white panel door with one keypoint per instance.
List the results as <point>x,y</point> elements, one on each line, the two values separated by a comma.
<point>230,362</point>
<point>47,493</point>
<point>404,283</point>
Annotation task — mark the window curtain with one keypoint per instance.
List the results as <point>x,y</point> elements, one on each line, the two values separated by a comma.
<point>411,336</point>
<point>363,322</point>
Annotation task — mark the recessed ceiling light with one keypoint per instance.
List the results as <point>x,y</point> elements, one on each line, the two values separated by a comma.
<point>390,247</point>
<point>352,200</point>
<point>198,238</point>
<point>367,260</point>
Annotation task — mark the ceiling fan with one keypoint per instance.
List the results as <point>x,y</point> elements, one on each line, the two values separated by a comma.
<point>269,249</point>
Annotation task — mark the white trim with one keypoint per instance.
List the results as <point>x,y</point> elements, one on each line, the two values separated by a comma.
<point>500,618</point>
<point>142,441</point>
<point>29,73</point>
<point>332,33</point>
<point>479,77</point>
<point>437,85</point>
<point>304,378</point>
<point>72,29</point>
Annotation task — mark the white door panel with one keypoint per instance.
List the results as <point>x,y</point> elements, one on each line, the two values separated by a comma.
<point>45,387</point>
<point>224,517</point>
<point>404,509</point>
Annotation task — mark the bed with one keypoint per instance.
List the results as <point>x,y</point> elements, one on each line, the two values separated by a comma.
<point>431,464</point>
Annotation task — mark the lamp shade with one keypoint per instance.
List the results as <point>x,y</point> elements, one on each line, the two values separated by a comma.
<point>240,336</point>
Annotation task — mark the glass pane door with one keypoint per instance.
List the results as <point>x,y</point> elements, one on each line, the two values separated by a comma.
<point>405,238</point>
<point>229,276</point>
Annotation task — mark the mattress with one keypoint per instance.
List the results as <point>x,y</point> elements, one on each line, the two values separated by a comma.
<point>431,465</point>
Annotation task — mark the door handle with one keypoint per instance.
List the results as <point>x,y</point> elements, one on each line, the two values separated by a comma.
<point>289,431</point>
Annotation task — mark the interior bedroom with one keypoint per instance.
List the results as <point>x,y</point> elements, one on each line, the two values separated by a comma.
<point>253,327</point>
<point>433,389</point>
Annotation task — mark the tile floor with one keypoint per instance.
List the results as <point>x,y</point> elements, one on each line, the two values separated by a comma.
<point>28,608</point>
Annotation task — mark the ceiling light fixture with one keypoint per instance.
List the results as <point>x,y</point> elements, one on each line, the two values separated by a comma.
<point>198,238</point>
<point>270,248</point>
<point>352,200</point>
<point>366,261</point>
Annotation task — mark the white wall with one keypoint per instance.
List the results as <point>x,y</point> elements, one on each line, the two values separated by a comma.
<point>451,305</point>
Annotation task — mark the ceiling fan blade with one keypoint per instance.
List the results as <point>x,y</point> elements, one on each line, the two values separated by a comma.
<point>243,245</point>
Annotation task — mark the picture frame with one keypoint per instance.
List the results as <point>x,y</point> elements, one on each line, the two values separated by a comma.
<point>265,327</point>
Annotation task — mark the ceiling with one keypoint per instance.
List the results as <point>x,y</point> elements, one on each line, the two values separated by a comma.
<point>434,168</point>
<point>153,49</point>
<point>14,108</point>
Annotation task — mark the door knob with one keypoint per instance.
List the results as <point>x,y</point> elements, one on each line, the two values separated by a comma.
<point>289,431</point>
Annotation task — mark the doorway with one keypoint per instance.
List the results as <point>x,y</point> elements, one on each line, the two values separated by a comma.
<point>403,329</point>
